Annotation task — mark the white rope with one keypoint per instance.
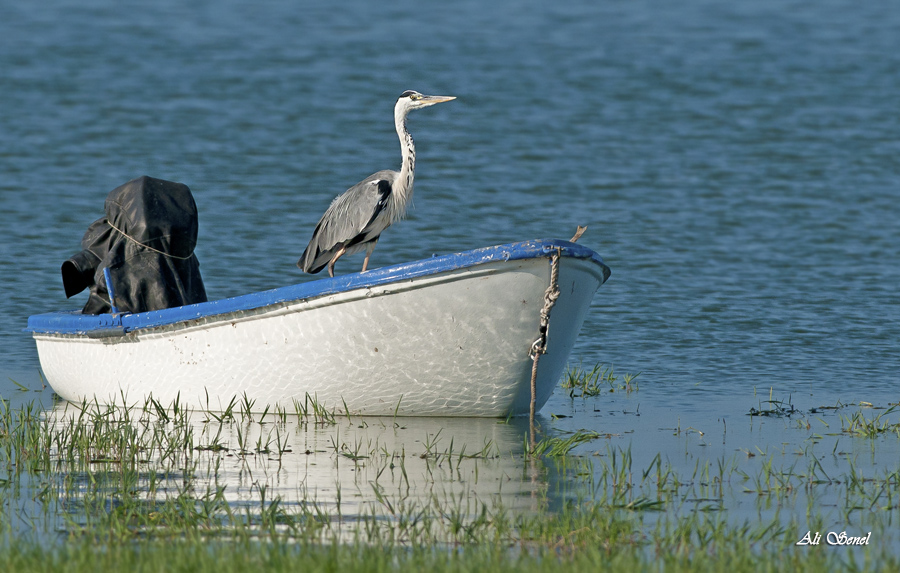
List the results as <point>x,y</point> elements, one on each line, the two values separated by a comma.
<point>539,346</point>
<point>148,247</point>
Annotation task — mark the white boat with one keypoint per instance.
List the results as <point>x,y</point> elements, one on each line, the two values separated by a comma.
<point>446,336</point>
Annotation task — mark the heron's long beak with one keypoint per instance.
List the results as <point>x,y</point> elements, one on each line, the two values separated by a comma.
<point>425,101</point>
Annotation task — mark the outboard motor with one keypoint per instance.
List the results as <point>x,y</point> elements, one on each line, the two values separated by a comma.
<point>147,241</point>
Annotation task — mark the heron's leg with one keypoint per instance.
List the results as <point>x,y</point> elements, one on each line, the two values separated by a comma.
<point>369,248</point>
<point>334,259</point>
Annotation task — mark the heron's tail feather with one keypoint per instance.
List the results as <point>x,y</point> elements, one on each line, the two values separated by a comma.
<point>313,260</point>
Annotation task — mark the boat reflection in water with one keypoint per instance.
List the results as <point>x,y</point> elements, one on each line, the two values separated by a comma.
<point>343,473</point>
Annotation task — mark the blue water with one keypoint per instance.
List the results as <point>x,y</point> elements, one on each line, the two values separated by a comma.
<point>737,164</point>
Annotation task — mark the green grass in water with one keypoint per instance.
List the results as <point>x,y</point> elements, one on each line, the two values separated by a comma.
<point>143,489</point>
<point>587,383</point>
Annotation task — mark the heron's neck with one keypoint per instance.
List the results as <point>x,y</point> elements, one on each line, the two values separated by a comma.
<point>404,187</point>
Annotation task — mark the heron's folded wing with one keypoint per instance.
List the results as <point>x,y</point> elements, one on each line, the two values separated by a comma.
<point>351,218</point>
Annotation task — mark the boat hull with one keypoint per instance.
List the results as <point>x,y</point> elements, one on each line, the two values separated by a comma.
<point>454,342</point>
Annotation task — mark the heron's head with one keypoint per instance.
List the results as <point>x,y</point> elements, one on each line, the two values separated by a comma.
<point>410,100</point>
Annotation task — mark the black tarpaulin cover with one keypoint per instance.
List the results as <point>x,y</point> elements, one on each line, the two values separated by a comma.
<point>147,241</point>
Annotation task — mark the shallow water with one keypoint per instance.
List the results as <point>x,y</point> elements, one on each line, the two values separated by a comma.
<point>738,167</point>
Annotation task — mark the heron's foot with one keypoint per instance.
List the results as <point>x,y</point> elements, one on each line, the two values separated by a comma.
<point>334,259</point>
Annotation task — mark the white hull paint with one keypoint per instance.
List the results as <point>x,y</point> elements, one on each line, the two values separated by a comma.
<point>453,343</point>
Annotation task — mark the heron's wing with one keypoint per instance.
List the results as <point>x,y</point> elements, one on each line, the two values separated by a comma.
<point>351,219</point>
<point>360,214</point>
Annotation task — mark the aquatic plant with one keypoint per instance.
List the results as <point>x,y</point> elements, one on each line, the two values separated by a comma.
<point>859,425</point>
<point>94,484</point>
<point>600,378</point>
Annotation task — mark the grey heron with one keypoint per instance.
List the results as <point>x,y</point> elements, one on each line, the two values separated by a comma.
<point>356,217</point>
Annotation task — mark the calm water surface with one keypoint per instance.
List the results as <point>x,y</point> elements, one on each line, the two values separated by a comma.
<point>738,167</point>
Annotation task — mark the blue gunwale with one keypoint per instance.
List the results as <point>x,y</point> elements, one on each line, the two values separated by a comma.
<point>74,322</point>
